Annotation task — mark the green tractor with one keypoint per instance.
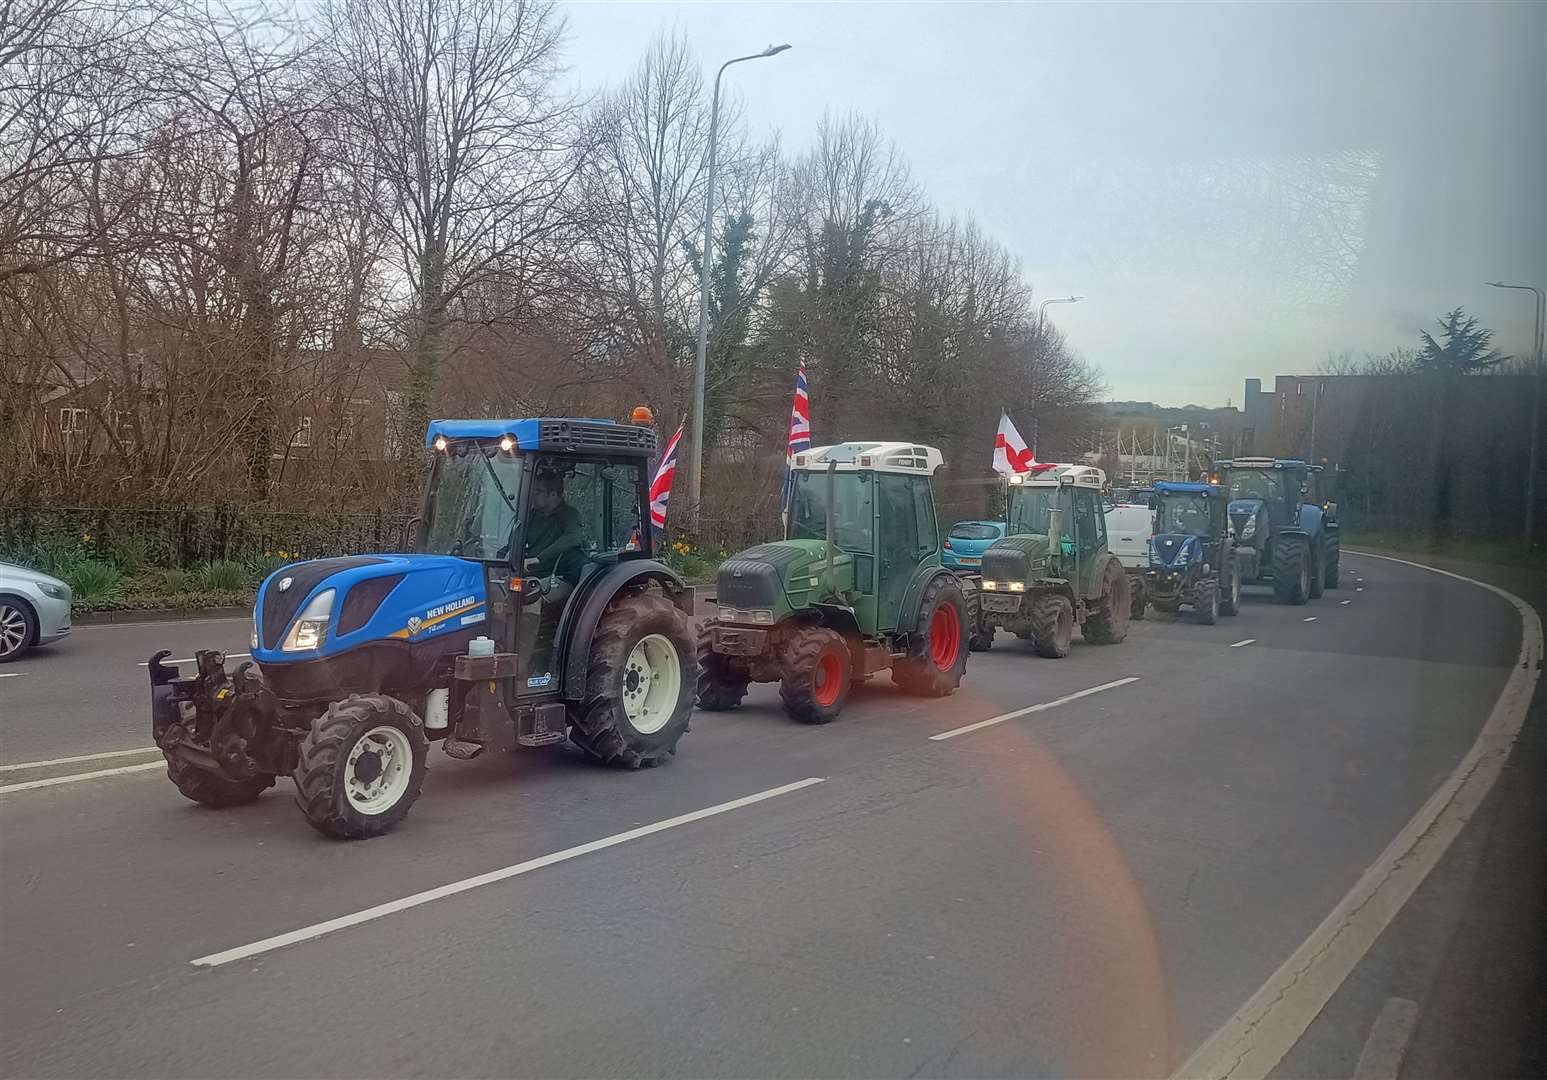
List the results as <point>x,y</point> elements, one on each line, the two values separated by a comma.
<point>1052,570</point>
<point>854,589</point>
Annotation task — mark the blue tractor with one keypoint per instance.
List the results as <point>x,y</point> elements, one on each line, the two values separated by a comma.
<point>530,610</point>
<point>1191,557</point>
<point>1283,532</point>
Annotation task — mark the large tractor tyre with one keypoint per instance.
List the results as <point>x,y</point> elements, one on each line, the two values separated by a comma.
<point>361,767</point>
<point>1317,563</point>
<point>1230,591</point>
<point>939,643</point>
<point>818,674</point>
<point>1169,606</point>
<point>1330,579</point>
<point>1291,571</point>
<point>1205,601</point>
<point>640,685</point>
<point>1107,623</point>
<point>212,789</point>
<point>1140,601</point>
<point>980,637</point>
<point>722,680</point>
<point>1052,626</point>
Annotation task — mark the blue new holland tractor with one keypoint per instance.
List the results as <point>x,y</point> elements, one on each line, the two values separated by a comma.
<point>530,610</point>
<point>1283,532</point>
<point>1191,556</point>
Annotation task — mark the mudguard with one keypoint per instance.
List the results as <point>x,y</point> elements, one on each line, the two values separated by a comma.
<point>908,609</point>
<point>585,612</point>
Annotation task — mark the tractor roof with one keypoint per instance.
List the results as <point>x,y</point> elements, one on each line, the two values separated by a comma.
<point>1264,463</point>
<point>1178,487</point>
<point>893,457</point>
<point>1079,475</point>
<point>562,434</point>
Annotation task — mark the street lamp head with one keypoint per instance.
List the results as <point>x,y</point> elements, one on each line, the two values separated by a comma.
<point>774,50</point>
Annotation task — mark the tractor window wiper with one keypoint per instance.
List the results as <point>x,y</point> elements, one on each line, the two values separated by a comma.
<point>487,464</point>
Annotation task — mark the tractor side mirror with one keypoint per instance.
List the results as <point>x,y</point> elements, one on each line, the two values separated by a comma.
<point>406,541</point>
<point>532,590</point>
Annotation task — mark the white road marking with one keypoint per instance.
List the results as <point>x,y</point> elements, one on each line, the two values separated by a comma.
<point>1028,710</point>
<point>11,674</point>
<point>1383,1051</point>
<point>74,778</point>
<point>1358,590</point>
<point>1256,1038</point>
<point>1309,618</point>
<point>392,907</point>
<point>191,659</point>
<point>1345,601</point>
<point>83,757</point>
<point>1243,641</point>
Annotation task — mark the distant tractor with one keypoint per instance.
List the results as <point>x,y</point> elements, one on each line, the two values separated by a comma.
<point>529,611</point>
<point>1053,571</point>
<point>854,589</point>
<point>1283,534</point>
<point>1192,558</point>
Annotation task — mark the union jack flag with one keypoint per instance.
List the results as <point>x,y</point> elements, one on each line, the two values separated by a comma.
<point>800,433</point>
<point>660,486</point>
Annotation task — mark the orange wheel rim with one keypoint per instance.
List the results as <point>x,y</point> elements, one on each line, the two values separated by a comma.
<point>828,680</point>
<point>944,637</point>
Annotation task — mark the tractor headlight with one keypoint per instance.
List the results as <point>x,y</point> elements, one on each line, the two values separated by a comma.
<point>311,625</point>
<point>1017,586</point>
<point>754,616</point>
<point>255,627</point>
<point>1249,530</point>
<point>991,586</point>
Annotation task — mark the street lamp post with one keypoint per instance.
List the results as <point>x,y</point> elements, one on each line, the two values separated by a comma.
<point>696,472</point>
<point>1536,407</point>
<point>1042,307</point>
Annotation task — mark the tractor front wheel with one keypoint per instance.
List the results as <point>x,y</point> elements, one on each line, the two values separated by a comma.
<point>1140,600</point>
<point>722,680</point>
<point>1052,625</point>
<point>817,675</point>
<point>1332,569</point>
<point>640,685</point>
<point>1317,567</point>
<point>360,768</point>
<point>1107,624</point>
<point>1205,601</point>
<point>1291,571</point>
<point>939,643</point>
<point>212,789</point>
<point>981,636</point>
<point>1230,596</point>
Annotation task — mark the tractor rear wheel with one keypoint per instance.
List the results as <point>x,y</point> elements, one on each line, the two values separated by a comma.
<point>1331,580</point>
<point>360,768</point>
<point>818,671</point>
<point>1052,625</point>
<point>212,789</point>
<point>938,643</point>
<point>1107,623</point>
<point>1230,593</point>
<point>722,680</point>
<point>1140,600</point>
<point>640,684</point>
<point>1291,571</point>
<point>1317,567</point>
<point>1205,601</point>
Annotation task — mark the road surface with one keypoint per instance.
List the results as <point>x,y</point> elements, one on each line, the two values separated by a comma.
<point>1089,888</point>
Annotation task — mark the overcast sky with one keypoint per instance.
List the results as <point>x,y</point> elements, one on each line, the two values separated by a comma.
<point>1238,190</point>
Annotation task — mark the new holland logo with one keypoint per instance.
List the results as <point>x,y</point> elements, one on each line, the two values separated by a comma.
<point>414,623</point>
<point>285,583</point>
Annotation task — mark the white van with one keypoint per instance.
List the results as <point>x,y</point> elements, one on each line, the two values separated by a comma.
<point>1129,528</point>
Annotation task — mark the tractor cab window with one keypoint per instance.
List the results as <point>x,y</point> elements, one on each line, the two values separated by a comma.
<point>1256,484</point>
<point>1089,521</point>
<point>470,508</point>
<point>581,512</point>
<point>853,509</point>
<point>1030,508</point>
<point>1187,514</point>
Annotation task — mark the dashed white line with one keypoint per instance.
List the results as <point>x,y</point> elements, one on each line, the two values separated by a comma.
<point>11,674</point>
<point>1309,618</point>
<point>1028,710</point>
<point>392,907</point>
<point>1358,590</point>
<point>1383,1051</point>
<point>72,760</point>
<point>190,659</point>
<point>75,778</point>
<point>1243,641</point>
<point>1345,601</point>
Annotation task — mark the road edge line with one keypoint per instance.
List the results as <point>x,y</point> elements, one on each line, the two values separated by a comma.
<point>392,907</point>
<point>1028,710</point>
<point>75,778</point>
<point>1256,1038</point>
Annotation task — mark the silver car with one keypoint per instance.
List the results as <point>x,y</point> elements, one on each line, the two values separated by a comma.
<point>34,610</point>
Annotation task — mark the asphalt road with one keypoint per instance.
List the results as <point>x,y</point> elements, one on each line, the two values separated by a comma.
<point>1087,889</point>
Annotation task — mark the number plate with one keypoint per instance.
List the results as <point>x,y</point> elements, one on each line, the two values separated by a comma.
<point>969,560</point>
<point>997,602</point>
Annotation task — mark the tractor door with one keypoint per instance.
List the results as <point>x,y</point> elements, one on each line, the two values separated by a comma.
<point>906,535</point>
<point>581,514</point>
<point>1090,540</point>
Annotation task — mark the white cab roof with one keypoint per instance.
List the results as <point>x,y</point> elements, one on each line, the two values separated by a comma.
<point>1079,475</point>
<point>894,457</point>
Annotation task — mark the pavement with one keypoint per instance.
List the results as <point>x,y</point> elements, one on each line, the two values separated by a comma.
<point>1088,888</point>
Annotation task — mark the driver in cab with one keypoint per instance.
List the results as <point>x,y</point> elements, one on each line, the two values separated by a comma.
<point>555,551</point>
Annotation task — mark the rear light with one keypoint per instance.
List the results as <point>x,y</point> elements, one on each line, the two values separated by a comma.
<point>948,543</point>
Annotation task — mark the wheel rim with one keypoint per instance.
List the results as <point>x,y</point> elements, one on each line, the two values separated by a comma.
<point>378,769</point>
<point>652,680</point>
<point>827,680</point>
<point>13,629</point>
<point>944,637</point>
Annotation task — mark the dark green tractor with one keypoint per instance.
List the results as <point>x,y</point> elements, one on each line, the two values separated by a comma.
<point>855,588</point>
<point>1052,571</point>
